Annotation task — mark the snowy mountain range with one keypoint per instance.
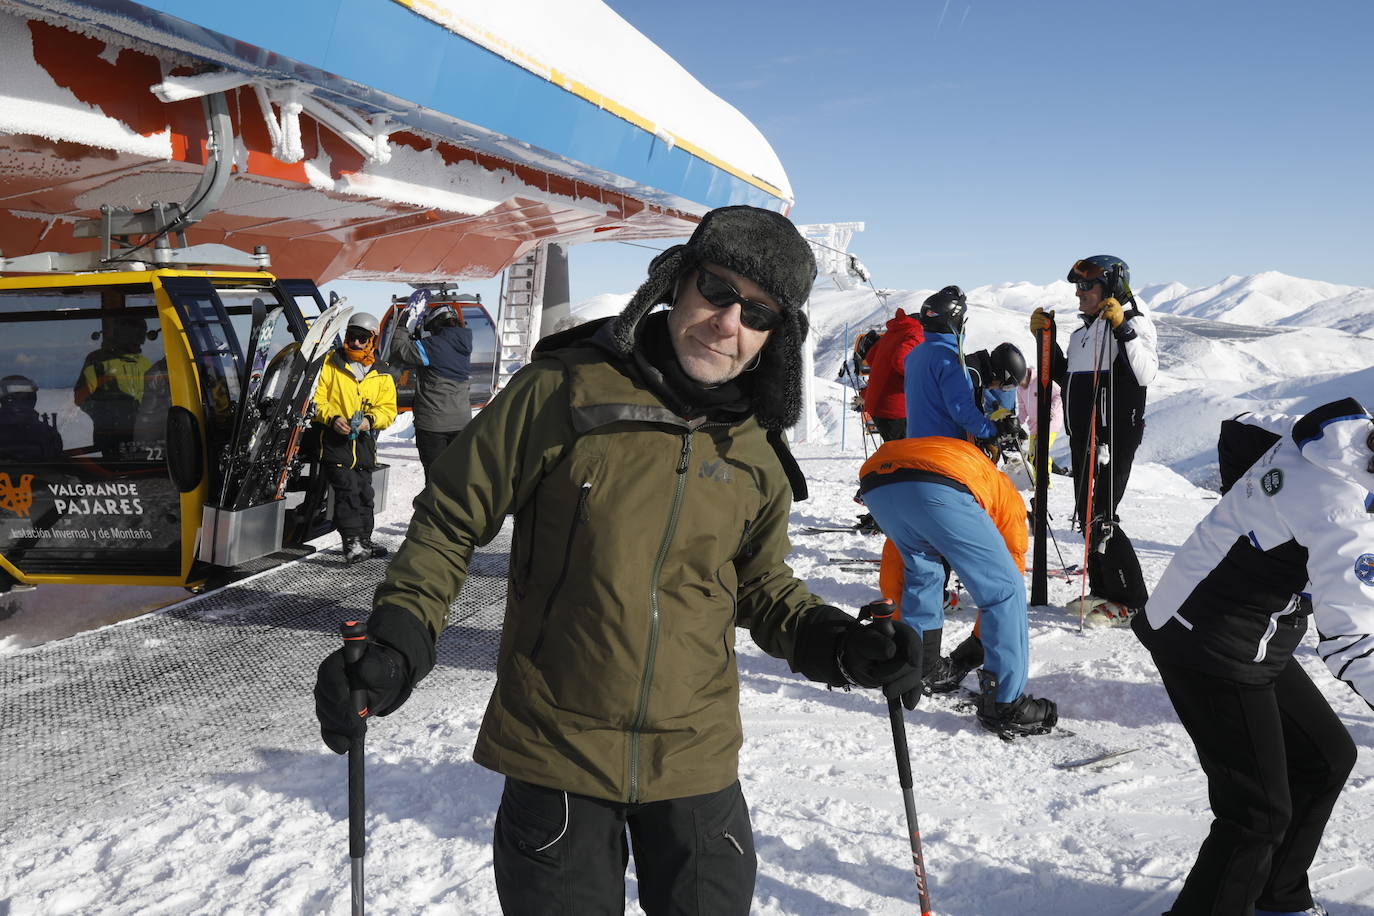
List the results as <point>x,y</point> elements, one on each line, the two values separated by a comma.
<point>1264,342</point>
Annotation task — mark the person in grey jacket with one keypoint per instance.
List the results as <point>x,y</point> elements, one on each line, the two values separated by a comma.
<point>442,349</point>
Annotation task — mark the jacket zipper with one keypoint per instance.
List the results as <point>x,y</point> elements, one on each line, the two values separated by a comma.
<point>1273,627</point>
<point>579,516</point>
<point>641,713</point>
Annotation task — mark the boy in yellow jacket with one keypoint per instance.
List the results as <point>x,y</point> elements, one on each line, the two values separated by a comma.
<point>355,400</point>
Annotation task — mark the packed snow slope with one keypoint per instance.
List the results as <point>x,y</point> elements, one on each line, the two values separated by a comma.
<point>1006,832</point>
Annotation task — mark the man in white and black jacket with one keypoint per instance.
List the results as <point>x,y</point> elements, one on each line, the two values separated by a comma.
<point>1114,356</point>
<point>1293,536</point>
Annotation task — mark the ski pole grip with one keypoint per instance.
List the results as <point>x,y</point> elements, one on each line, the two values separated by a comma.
<point>882,613</point>
<point>355,640</point>
<point>354,645</point>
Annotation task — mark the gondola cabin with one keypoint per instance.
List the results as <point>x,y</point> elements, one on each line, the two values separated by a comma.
<point>117,409</point>
<point>475,316</point>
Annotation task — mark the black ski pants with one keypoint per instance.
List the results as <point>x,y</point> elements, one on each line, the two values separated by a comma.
<point>430,445</point>
<point>890,429</point>
<point>352,500</point>
<point>1276,758</point>
<point>559,853</point>
<point>1113,567</point>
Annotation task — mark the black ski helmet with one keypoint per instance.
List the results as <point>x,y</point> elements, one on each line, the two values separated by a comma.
<point>18,390</point>
<point>442,316</point>
<point>1108,270</point>
<point>944,312</point>
<point>1008,365</point>
<point>127,333</point>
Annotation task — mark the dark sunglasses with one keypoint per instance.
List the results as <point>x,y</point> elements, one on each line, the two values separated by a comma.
<point>718,291</point>
<point>1086,285</point>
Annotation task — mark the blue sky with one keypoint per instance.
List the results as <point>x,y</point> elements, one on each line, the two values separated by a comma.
<point>984,141</point>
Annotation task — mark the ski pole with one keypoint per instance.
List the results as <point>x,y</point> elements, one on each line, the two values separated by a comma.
<point>355,644</point>
<point>1044,367</point>
<point>881,613</point>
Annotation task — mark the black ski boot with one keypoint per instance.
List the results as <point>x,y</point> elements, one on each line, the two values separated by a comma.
<point>930,657</point>
<point>375,551</point>
<point>354,551</point>
<point>866,525</point>
<point>947,674</point>
<point>1026,715</point>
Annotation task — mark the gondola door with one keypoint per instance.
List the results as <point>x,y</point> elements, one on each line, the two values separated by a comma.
<point>86,494</point>
<point>210,389</point>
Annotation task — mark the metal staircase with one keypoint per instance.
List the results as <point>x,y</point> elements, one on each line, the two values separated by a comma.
<point>520,313</point>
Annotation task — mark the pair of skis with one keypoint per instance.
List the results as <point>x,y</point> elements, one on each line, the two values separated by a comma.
<point>1098,757</point>
<point>247,415</point>
<point>275,407</point>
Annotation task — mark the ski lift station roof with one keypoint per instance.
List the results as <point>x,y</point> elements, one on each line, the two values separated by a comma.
<point>400,139</point>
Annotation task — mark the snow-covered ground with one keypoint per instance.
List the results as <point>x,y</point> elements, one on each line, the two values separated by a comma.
<point>1005,831</point>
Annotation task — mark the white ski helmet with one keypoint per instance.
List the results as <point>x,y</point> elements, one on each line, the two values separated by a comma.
<point>363,320</point>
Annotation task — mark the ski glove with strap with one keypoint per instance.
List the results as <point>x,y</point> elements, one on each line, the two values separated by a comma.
<point>1112,312</point>
<point>1116,316</point>
<point>380,674</point>
<point>839,651</point>
<point>1041,320</point>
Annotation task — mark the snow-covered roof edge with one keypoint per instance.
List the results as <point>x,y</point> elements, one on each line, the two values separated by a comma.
<point>565,42</point>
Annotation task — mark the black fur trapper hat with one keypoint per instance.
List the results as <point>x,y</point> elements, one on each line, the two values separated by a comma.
<point>765,247</point>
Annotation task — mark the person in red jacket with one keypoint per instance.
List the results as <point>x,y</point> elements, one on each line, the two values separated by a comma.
<point>885,397</point>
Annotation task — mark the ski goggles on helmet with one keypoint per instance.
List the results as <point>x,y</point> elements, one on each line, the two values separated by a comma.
<point>1086,270</point>
<point>752,314</point>
<point>12,385</point>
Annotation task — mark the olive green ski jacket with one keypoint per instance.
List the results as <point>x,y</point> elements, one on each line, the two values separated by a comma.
<point>641,541</point>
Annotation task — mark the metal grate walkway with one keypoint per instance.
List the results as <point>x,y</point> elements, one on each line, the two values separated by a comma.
<point>192,690</point>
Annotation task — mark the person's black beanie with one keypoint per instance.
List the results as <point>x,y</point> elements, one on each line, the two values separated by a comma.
<point>765,247</point>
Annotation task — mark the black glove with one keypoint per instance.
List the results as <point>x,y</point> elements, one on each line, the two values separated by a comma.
<point>881,652</point>
<point>1009,427</point>
<point>1026,715</point>
<point>839,651</point>
<point>382,676</point>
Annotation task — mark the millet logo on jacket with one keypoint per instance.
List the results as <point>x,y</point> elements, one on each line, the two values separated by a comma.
<point>714,470</point>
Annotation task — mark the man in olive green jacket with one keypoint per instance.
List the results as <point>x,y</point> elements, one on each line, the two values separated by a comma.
<point>643,459</point>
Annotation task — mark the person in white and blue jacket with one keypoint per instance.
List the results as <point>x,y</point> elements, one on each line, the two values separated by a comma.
<point>1104,374</point>
<point>1291,538</point>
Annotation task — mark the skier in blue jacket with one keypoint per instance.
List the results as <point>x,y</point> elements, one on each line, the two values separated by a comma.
<point>939,392</point>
